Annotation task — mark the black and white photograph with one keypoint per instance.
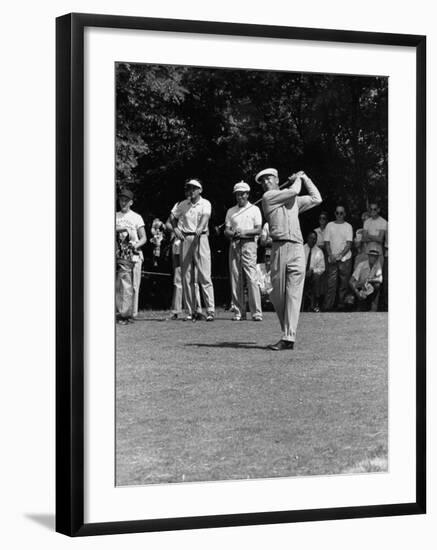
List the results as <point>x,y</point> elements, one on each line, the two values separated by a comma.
<point>251,274</point>
<point>205,345</point>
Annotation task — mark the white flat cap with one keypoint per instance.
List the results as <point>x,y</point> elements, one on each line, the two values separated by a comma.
<point>241,186</point>
<point>265,172</point>
<point>195,183</point>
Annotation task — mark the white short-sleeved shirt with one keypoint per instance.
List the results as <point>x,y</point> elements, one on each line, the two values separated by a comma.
<point>363,272</point>
<point>337,234</point>
<point>132,222</point>
<point>373,227</point>
<point>189,214</point>
<point>320,236</point>
<point>317,261</point>
<point>244,218</point>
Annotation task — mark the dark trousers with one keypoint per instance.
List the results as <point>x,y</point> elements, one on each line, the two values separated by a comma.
<point>338,279</point>
<point>311,291</point>
<point>385,282</point>
<point>371,302</point>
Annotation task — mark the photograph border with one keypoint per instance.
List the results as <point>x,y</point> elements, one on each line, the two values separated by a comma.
<point>70,482</point>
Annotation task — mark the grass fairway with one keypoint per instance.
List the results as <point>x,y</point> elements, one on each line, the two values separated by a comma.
<point>206,401</point>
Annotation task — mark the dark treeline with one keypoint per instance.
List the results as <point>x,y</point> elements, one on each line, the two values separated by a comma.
<point>224,125</point>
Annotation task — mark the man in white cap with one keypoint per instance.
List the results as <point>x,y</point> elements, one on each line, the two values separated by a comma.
<point>125,218</point>
<point>177,302</point>
<point>366,281</point>
<point>282,208</point>
<point>242,226</point>
<point>189,219</point>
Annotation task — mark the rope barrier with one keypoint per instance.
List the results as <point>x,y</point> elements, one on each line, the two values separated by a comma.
<point>146,273</point>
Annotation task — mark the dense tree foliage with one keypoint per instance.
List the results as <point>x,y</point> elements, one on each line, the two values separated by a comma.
<point>224,125</point>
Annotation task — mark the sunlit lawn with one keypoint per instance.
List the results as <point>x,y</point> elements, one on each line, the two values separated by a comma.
<point>206,401</point>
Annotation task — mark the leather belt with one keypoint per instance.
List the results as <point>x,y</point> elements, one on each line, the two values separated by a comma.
<point>192,233</point>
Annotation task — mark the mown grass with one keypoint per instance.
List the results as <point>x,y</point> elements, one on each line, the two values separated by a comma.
<point>206,401</point>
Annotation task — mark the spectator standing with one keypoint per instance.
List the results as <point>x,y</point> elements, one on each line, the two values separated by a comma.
<point>338,243</point>
<point>124,276</point>
<point>374,231</point>
<point>320,231</point>
<point>359,245</point>
<point>242,227</point>
<point>177,298</point>
<point>385,271</point>
<point>157,231</point>
<point>315,267</point>
<point>190,224</point>
<point>126,218</point>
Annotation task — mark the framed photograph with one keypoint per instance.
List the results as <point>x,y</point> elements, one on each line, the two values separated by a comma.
<point>240,274</point>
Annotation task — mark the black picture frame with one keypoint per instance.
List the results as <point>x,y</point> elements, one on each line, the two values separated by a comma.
<point>70,273</point>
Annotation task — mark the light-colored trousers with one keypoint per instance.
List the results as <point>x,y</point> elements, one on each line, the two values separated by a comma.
<point>123,294</point>
<point>242,267</point>
<point>136,281</point>
<point>288,278</point>
<point>196,255</point>
<point>124,290</point>
<point>176,303</point>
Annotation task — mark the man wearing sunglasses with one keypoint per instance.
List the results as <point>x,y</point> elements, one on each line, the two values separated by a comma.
<point>338,243</point>
<point>374,231</point>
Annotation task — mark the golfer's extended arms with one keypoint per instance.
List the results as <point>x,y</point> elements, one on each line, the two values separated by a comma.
<point>277,197</point>
<point>313,198</point>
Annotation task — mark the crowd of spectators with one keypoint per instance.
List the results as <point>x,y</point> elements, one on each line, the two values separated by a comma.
<point>355,270</point>
<point>344,271</point>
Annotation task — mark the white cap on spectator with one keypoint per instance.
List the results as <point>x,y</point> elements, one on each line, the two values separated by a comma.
<point>241,186</point>
<point>195,183</point>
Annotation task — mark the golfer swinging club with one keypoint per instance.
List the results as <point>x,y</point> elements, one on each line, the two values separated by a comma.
<point>281,209</point>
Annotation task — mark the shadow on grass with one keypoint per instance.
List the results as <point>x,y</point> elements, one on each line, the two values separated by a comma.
<point>157,319</point>
<point>234,345</point>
